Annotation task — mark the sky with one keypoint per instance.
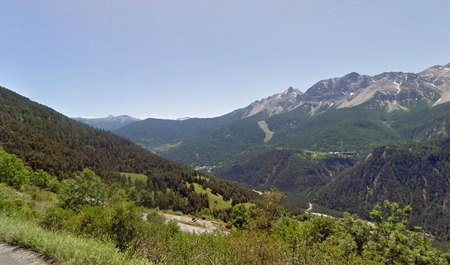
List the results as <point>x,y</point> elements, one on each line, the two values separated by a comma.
<point>205,58</point>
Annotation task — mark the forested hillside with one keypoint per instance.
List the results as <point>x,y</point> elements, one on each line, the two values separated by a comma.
<point>160,135</point>
<point>352,113</point>
<point>47,140</point>
<point>64,182</point>
<point>297,173</point>
<point>83,221</point>
<point>314,139</point>
<point>415,174</point>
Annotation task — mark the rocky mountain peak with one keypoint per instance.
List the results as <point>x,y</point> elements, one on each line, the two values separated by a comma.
<point>437,75</point>
<point>332,92</point>
<point>292,91</point>
<point>353,76</point>
<point>275,104</point>
<point>389,91</point>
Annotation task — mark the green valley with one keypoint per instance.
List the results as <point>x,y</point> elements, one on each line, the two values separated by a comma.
<point>306,144</point>
<point>347,146</point>
<point>103,226</point>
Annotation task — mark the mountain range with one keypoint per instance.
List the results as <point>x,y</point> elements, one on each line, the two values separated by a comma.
<point>324,145</point>
<point>109,123</point>
<point>345,144</point>
<point>44,152</point>
<point>351,113</point>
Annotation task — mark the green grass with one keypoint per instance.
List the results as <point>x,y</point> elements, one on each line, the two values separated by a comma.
<point>248,205</point>
<point>212,198</point>
<point>215,201</point>
<point>30,198</point>
<point>135,176</point>
<point>312,155</point>
<point>63,248</point>
<point>18,228</point>
<point>317,155</point>
<point>166,147</point>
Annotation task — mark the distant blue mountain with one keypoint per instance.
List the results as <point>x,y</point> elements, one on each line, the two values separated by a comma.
<point>109,123</point>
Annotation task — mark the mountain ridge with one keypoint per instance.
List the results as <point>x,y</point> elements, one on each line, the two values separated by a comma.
<point>109,123</point>
<point>47,140</point>
<point>316,146</point>
<point>321,133</point>
<point>414,173</point>
<point>354,89</point>
<point>290,115</point>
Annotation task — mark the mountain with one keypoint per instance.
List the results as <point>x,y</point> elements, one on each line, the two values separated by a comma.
<point>388,91</point>
<point>161,135</point>
<point>298,173</point>
<point>351,108</point>
<point>47,140</point>
<point>276,104</point>
<point>415,173</point>
<point>346,144</point>
<point>351,113</point>
<point>300,142</point>
<point>109,123</point>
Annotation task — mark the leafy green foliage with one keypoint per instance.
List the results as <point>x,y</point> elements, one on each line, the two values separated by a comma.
<point>12,170</point>
<point>62,248</point>
<point>85,189</point>
<point>120,223</point>
<point>389,240</point>
<point>392,241</point>
<point>240,216</point>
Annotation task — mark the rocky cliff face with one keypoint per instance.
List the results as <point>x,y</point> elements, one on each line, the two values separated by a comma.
<point>389,91</point>
<point>276,104</point>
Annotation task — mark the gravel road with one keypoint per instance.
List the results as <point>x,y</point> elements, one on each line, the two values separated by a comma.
<point>202,226</point>
<point>14,255</point>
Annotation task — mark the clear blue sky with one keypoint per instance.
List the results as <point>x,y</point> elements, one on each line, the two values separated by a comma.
<point>205,58</point>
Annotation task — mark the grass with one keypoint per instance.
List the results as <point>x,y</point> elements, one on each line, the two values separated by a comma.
<point>135,176</point>
<point>18,228</point>
<point>312,155</point>
<point>63,248</point>
<point>248,205</point>
<point>19,214</point>
<point>215,201</point>
<point>166,147</point>
<point>30,198</point>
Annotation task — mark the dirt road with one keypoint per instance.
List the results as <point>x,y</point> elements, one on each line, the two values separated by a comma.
<point>13,255</point>
<point>198,227</point>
